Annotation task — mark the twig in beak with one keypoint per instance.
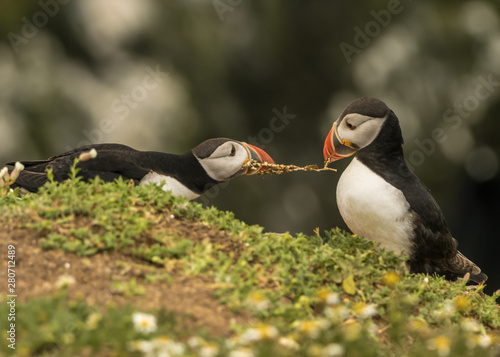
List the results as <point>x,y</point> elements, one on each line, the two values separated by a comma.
<point>266,168</point>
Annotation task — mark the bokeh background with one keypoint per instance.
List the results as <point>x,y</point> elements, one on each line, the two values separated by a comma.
<point>166,75</point>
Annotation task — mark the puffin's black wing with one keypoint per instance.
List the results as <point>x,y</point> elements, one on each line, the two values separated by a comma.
<point>41,165</point>
<point>30,181</point>
<point>435,248</point>
<point>111,164</point>
<point>112,161</point>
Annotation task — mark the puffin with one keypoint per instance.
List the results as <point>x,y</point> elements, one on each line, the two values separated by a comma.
<point>189,174</point>
<point>381,199</point>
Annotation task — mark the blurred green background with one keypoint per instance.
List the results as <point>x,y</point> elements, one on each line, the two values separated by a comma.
<point>166,75</point>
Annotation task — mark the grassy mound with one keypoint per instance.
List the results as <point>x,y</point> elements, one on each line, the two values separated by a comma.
<point>121,270</point>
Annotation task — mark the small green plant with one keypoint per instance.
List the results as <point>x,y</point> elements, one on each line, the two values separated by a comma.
<point>129,288</point>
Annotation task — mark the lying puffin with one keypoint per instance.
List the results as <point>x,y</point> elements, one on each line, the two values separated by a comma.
<point>381,199</point>
<point>189,175</point>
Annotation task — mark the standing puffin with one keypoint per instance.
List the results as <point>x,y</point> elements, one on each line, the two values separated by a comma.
<point>188,175</point>
<point>380,198</point>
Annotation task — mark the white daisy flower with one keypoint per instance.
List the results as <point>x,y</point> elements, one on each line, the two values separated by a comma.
<point>333,350</point>
<point>174,348</point>
<point>210,350</point>
<point>242,352</point>
<point>288,343</point>
<point>258,301</point>
<point>337,313</point>
<point>470,325</point>
<point>144,323</point>
<point>449,307</point>
<point>261,332</point>
<point>484,341</point>
<point>64,281</point>
<point>365,311</point>
<point>308,327</point>
<point>142,346</point>
<point>195,341</point>
<point>369,311</point>
<point>333,299</point>
<point>441,344</point>
<point>251,335</point>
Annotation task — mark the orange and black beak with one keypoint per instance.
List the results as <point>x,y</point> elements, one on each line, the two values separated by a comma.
<point>335,147</point>
<point>259,155</point>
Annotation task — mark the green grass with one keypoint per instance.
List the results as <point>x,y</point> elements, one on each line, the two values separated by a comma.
<point>327,294</point>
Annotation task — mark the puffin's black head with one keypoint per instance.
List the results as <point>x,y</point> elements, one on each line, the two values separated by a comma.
<point>223,158</point>
<point>357,127</point>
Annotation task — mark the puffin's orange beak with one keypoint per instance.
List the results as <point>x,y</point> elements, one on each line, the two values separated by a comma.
<point>259,155</point>
<point>328,151</point>
<point>336,148</point>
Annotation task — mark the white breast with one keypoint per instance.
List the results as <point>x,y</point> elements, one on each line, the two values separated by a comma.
<point>373,208</point>
<point>169,184</point>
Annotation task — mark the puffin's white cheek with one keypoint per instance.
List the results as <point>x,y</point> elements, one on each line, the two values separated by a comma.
<point>364,134</point>
<point>234,164</point>
<point>347,134</point>
<point>216,169</point>
<point>229,169</point>
<point>220,169</point>
<point>224,168</point>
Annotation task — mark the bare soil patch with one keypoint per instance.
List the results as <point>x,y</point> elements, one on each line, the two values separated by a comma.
<point>190,298</point>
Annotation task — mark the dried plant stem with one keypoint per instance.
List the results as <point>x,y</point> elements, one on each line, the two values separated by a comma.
<point>266,168</point>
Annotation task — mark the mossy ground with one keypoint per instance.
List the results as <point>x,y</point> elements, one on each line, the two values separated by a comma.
<point>89,256</point>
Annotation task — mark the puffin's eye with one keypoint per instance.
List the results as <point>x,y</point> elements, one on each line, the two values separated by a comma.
<point>350,126</point>
<point>233,151</point>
